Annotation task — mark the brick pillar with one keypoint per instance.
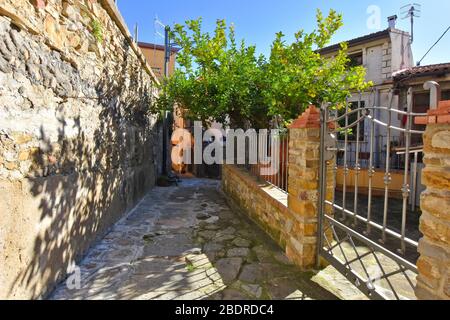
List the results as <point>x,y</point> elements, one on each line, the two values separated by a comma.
<point>303,188</point>
<point>434,247</point>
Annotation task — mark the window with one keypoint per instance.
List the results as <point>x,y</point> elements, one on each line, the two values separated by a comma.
<point>352,119</point>
<point>356,59</point>
<point>421,105</point>
<point>445,95</point>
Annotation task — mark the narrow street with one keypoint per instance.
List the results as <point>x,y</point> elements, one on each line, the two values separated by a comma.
<point>185,242</point>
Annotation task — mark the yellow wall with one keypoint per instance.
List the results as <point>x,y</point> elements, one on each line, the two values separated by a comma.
<point>155,58</point>
<point>377,182</point>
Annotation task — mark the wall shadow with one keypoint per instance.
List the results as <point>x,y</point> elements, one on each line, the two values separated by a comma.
<point>86,183</point>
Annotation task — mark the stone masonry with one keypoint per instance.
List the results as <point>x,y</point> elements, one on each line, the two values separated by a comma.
<point>434,248</point>
<point>291,222</point>
<point>259,202</point>
<point>185,243</point>
<point>303,188</point>
<point>78,143</point>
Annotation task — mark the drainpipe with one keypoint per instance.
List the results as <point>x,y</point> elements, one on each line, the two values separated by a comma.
<point>166,115</point>
<point>377,130</point>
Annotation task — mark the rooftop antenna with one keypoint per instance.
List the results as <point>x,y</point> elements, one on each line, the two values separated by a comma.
<point>158,26</point>
<point>411,11</point>
<point>136,33</point>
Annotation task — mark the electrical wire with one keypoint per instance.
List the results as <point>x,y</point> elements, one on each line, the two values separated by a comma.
<point>445,32</point>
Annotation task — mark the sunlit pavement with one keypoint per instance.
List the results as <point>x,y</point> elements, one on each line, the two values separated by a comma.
<point>185,242</point>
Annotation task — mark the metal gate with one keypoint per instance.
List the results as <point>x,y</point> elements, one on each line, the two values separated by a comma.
<point>368,232</point>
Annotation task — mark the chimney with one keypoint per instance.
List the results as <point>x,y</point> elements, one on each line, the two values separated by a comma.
<point>392,21</point>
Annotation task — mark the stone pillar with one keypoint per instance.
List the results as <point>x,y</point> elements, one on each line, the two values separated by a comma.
<point>303,188</point>
<point>434,247</point>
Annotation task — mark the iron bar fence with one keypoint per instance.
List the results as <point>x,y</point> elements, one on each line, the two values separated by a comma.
<point>280,177</point>
<point>370,229</point>
<point>359,152</point>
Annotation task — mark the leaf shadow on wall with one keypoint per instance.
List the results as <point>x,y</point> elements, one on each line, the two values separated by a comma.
<point>86,183</point>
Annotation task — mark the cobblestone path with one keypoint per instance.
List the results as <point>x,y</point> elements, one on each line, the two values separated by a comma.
<point>186,243</point>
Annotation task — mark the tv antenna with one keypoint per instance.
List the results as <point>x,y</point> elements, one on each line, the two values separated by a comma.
<point>411,11</point>
<point>163,31</point>
<point>159,27</point>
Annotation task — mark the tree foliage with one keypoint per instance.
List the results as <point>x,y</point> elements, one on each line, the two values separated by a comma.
<point>218,79</point>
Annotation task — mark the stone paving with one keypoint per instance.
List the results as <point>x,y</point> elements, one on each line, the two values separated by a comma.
<point>186,243</point>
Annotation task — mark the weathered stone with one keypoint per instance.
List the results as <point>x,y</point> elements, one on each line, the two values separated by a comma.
<point>24,155</point>
<point>441,140</point>
<point>233,295</point>
<point>212,247</point>
<point>224,238</point>
<point>212,227</point>
<point>253,290</point>
<point>11,165</point>
<point>229,268</point>
<point>282,258</point>
<point>238,252</point>
<point>252,273</point>
<point>208,234</point>
<point>21,138</point>
<point>240,242</point>
<point>5,65</point>
<point>110,150</point>
<point>213,220</point>
<point>203,216</point>
<point>262,253</point>
<point>227,231</point>
<point>280,289</point>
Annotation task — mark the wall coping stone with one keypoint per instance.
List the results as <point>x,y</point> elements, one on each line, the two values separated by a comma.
<point>115,15</point>
<point>439,116</point>
<point>264,189</point>
<point>111,7</point>
<point>309,119</point>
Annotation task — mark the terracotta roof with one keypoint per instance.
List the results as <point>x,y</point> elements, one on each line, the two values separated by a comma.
<point>155,46</point>
<point>422,71</point>
<point>370,37</point>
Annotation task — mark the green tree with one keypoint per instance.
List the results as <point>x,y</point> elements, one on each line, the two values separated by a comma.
<point>216,79</point>
<point>299,76</point>
<point>219,80</point>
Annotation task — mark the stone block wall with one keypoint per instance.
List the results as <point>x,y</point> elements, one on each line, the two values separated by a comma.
<point>293,223</point>
<point>303,188</point>
<point>433,281</point>
<point>78,143</point>
<point>386,61</point>
<point>259,201</point>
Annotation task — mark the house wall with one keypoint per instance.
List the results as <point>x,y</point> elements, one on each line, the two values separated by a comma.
<point>290,219</point>
<point>264,204</point>
<point>433,281</point>
<point>377,57</point>
<point>78,146</point>
<point>156,57</point>
<point>374,60</point>
<point>400,50</point>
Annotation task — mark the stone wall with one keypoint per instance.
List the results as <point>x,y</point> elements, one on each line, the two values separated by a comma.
<point>291,219</point>
<point>264,204</point>
<point>386,61</point>
<point>433,281</point>
<point>78,144</point>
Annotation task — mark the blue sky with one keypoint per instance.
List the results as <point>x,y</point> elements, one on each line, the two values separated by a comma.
<point>258,21</point>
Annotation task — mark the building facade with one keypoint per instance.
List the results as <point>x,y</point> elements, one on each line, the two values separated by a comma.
<point>154,53</point>
<point>388,59</point>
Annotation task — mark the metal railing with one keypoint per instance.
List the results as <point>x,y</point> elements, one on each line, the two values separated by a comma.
<point>371,238</point>
<point>281,177</point>
<point>362,153</point>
